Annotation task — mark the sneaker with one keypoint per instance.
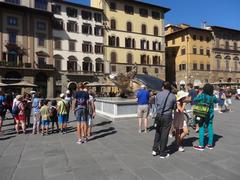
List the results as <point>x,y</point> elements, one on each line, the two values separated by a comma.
<point>139,131</point>
<point>154,153</point>
<point>79,141</point>
<point>209,147</point>
<point>181,149</point>
<point>220,112</point>
<point>146,131</point>
<point>199,148</point>
<point>163,156</point>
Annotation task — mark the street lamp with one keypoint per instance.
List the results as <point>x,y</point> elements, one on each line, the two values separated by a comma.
<point>187,60</point>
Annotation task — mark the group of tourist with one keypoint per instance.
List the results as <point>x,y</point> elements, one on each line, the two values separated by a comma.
<point>54,113</point>
<point>170,105</point>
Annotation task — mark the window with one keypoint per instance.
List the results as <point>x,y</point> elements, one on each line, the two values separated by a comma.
<point>173,41</point>
<point>143,59</point>
<point>226,45</point>
<point>201,38</point>
<point>72,64</point>
<point>56,9</point>
<point>208,52</point>
<point>13,1</point>
<point>129,27</point>
<point>235,46</point>
<point>227,65</point>
<point>236,65</point>
<point>208,67</point>
<point>41,25</point>
<point>128,68</point>
<point>98,31</point>
<point>58,64</point>
<point>99,65</point>
<point>87,47</point>
<point>144,29</point>
<point>143,12</point>
<point>129,9</point>
<point>113,68</point>
<point>156,60</point>
<point>72,26</point>
<point>218,64</point>
<point>194,50</point>
<point>41,61</point>
<point>112,6</point>
<point>41,41</point>
<point>159,46</point>
<point>58,24</point>
<point>87,29</point>
<point>208,39</point>
<point>144,70</point>
<point>195,66</point>
<point>129,58</point>
<point>71,45</point>
<point>129,43</point>
<point>97,17</point>
<point>156,70</point>
<point>12,37</point>
<point>113,41</point>
<point>41,4</point>
<point>155,15</point>
<point>183,38</point>
<point>57,43</point>
<point>12,21</point>
<point>113,57</point>
<point>87,64</point>
<point>144,44</point>
<point>154,45</point>
<point>201,51</point>
<point>72,12</point>
<point>194,37</point>
<point>182,67</point>
<point>183,51</point>
<point>99,48</point>
<point>155,31</point>
<point>201,67</point>
<point>86,15</point>
<point>113,24</point>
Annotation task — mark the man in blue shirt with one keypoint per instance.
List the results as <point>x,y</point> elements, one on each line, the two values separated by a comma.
<point>143,109</point>
<point>36,111</point>
<point>2,109</point>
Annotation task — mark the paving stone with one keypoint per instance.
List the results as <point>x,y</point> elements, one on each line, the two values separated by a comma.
<point>6,172</point>
<point>66,176</point>
<point>148,173</point>
<point>9,160</point>
<point>219,171</point>
<point>212,177</point>
<point>178,175</point>
<point>29,173</point>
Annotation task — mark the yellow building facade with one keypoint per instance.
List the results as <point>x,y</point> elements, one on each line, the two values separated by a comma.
<point>133,34</point>
<point>188,55</point>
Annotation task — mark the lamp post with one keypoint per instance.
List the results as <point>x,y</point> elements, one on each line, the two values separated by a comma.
<point>187,61</point>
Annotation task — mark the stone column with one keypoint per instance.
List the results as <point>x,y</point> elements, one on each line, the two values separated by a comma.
<point>50,87</point>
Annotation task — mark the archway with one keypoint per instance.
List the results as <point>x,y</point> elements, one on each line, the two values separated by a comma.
<point>41,80</point>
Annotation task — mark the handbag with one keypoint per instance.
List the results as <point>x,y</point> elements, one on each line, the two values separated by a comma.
<point>201,110</point>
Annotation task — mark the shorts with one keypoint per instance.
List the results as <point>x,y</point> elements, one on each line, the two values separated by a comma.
<point>62,118</point>
<point>45,122</point>
<point>90,120</point>
<point>20,118</point>
<point>228,102</point>
<point>81,115</point>
<point>142,111</point>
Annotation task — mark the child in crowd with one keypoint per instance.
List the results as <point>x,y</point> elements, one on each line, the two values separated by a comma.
<point>179,123</point>
<point>91,115</point>
<point>53,115</point>
<point>45,114</point>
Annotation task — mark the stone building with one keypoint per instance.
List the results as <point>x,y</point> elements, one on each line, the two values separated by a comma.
<point>133,34</point>
<point>26,51</point>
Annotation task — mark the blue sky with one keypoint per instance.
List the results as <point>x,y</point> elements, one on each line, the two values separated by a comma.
<point>224,13</point>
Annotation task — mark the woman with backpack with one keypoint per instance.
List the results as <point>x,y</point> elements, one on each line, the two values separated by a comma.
<point>18,111</point>
<point>208,98</point>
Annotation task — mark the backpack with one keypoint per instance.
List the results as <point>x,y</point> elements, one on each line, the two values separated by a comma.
<point>15,109</point>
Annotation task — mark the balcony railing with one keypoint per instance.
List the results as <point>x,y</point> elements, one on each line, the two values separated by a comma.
<point>45,66</point>
<point>15,64</point>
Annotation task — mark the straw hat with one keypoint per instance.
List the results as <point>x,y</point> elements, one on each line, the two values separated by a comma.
<point>67,92</point>
<point>181,94</point>
<point>62,95</point>
<point>19,97</point>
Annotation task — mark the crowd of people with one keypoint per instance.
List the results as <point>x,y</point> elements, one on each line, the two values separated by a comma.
<point>167,107</point>
<point>50,117</point>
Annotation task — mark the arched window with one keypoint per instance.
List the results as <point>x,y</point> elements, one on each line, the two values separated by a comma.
<point>144,29</point>
<point>58,61</point>
<point>227,58</point>
<point>227,65</point>
<point>218,64</point>
<point>129,58</point>
<point>99,65</point>
<point>87,64</point>
<point>129,27</point>
<point>155,31</point>
<point>113,24</point>
<point>113,57</point>
<point>143,59</point>
<point>72,64</point>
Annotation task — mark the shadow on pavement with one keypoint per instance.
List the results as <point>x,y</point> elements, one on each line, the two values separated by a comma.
<point>6,137</point>
<point>103,123</point>
<point>102,133</point>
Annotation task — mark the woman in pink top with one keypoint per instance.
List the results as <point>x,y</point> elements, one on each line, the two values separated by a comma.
<point>20,117</point>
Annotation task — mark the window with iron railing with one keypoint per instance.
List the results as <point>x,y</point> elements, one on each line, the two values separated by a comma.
<point>41,4</point>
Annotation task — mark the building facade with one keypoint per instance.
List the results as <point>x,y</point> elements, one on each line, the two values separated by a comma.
<point>26,51</point>
<point>188,54</point>
<point>133,34</point>
<point>78,43</point>
<point>225,54</point>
